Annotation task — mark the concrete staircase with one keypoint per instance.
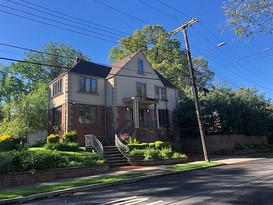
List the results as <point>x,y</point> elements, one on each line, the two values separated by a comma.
<point>114,157</point>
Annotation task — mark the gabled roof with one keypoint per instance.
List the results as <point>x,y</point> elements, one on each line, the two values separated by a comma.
<point>164,80</point>
<point>121,63</point>
<point>102,71</point>
<point>89,68</point>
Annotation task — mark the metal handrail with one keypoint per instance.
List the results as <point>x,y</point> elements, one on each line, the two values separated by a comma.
<point>92,141</point>
<point>124,150</point>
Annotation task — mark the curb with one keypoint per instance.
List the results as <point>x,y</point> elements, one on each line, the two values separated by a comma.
<point>96,186</point>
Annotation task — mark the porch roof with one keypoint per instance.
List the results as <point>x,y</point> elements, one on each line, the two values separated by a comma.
<point>142,100</point>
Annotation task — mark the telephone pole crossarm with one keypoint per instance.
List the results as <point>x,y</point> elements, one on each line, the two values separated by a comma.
<point>184,26</point>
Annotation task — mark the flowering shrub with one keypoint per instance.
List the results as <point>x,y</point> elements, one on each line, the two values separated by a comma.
<point>124,137</point>
<point>7,143</point>
<point>4,137</point>
<point>53,138</point>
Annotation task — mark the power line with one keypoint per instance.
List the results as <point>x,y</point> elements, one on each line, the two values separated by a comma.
<point>55,26</point>
<point>70,20</point>
<point>55,21</point>
<point>32,50</point>
<point>159,10</point>
<point>73,17</point>
<point>174,9</point>
<point>122,12</point>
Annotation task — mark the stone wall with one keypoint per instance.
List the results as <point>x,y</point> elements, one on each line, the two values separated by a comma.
<point>219,144</point>
<point>24,178</point>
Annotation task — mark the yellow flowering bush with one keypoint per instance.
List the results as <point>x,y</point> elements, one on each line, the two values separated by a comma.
<point>53,138</point>
<point>4,137</point>
<point>7,143</point>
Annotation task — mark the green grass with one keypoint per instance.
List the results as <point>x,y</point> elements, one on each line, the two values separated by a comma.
<point>194,165</point>
<point>81,151</point>
<point>65,185</point>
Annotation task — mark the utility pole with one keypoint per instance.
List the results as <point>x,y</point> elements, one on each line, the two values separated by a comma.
<point>183,28</point>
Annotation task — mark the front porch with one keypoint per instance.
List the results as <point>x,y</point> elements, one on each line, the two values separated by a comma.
<point>140,112</point>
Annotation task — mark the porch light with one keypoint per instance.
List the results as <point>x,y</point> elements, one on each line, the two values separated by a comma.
<point>147,110</point>
<point>127,108</point>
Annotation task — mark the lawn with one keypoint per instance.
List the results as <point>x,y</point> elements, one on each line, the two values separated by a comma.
<point>65,185</point>
<point>194,165</point>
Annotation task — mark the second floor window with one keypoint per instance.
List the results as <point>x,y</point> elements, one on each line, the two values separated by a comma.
<point>140,67</point>
<point>57,87</point>
<point>141,89</point>
<point>160,93</point>
<point>88,85</point>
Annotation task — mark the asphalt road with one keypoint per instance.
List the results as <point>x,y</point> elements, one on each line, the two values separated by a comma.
<point>244,183</point>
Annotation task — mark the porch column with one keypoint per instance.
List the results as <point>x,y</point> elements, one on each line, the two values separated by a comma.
<point>135,113</point>
<point>156,116</point>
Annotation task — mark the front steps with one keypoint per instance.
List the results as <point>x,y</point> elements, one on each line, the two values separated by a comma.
<point>114,157</point>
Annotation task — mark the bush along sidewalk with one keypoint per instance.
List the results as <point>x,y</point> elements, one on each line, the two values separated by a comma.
<point>153,153</point>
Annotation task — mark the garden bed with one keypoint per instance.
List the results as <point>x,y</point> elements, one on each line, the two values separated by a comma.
<point>153,162</point>
<point>24,178</point>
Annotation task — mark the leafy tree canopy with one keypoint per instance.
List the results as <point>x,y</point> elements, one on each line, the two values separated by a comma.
<point>250,17</point>
<point>226,111</point>
<point>24,90</point>
<point>163,53</point>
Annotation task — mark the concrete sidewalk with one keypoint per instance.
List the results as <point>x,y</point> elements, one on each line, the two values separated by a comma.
<point>149,172</point>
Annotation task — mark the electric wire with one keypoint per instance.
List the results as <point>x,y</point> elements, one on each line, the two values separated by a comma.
<point>122,12</point>
<point>66,19</point>
<point>73,17</point>
<point>55,26</point>
<point>55,21</point>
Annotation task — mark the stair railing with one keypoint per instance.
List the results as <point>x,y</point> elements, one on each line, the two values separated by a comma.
<point>92,141</point>
<point>124,150</point>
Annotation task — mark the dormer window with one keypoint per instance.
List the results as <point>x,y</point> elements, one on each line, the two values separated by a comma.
<point>140,67</point>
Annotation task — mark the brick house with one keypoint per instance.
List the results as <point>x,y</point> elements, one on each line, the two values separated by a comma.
<point>102,100</point>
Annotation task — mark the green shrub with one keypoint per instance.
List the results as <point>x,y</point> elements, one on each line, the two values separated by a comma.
<point>138,146</point>
<point>166,152</point>
<point>152,145</point>
<point>178,155</point>
<point>7,144</point>
<point>70,146</point>
<point>137,152</point>
<point>240,146</point>
<point>152,154</point>
<point>160,144</point>
<point>52,139</point>
<point>39,143</point>
<point>70,137</point>
<point>133,141</point>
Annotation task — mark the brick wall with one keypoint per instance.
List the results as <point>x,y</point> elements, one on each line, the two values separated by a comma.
<point>24,178</point>
<point>219,143</point>
<point>83,129</point>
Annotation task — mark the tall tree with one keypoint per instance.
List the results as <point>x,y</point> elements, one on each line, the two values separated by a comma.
<point>23,88</point>
<point>250,17</point>
<point>164,54</point>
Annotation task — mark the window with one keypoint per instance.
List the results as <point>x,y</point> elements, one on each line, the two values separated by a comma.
<point>57,87</point>
<point>88,85</point>
<point>163,118</point>
<point>57,116</point>
<point>88,114</point>
<point>160,93</point>
<point>141,89</point>
<point>140,66</point>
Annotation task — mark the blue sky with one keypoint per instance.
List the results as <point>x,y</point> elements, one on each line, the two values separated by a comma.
<point>238,63</point>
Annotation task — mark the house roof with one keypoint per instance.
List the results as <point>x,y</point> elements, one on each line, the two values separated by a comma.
<point>90,68</point>
<point>102,71</point>
<point>164,80</point>
<point>121,63</point>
